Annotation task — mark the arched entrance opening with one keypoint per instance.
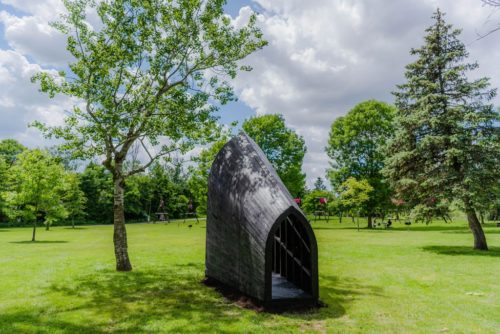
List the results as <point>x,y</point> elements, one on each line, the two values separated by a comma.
<point>293,265</point>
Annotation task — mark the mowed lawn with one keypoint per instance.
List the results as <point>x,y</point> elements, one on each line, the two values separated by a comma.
<point>425,280</point>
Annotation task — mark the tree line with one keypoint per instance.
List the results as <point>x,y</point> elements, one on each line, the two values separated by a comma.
<point>46,187</point>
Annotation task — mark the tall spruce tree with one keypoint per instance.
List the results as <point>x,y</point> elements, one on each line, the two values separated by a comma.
<point>446,144</point>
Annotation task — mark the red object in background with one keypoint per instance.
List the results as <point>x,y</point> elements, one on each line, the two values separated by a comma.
<point>323,200</point>
<point>298,200</point>
<point>397,202</point>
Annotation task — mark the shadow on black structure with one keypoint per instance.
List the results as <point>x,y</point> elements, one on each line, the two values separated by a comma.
<point>258,240</point>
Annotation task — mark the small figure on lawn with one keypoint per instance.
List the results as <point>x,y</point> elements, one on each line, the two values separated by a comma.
<point>191,211</point>
<point>160,213</point>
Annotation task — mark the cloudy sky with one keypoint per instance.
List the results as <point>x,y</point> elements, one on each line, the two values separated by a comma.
<point>324,56</point>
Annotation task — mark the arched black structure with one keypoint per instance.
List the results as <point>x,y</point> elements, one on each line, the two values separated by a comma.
<point>258,240</point>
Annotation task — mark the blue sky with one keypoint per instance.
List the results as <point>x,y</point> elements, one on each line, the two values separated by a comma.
<point>323,58</point>
<point>236,111</point>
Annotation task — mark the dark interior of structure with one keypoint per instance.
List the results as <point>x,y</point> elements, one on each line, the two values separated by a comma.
<point>291,276</point>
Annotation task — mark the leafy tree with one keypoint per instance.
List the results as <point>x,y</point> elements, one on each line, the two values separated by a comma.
<point>198,180</point>
<point>139,196</point>
<point>147,75</point>
<point>4,169</point>
<point>446,146</point>
<point>170,184</point>
<point>355,149</point>
<point>282,146</point>
<point>74,198</point>
<point>9,149</point>
<point>354,195</point>
<point>310,202</point>
<point>336,207</point>
<point>319,184</point>
<point>97,185</point>
<point>35,186</point>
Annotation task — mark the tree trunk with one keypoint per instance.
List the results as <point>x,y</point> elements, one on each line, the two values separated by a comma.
<point>370,222</point>
<point>476,229</point>
<point>34,231</point>
<point>72,222</point>
<point>120,233</point>
<point>481,215</point>
<point>340,217</point>
<point>46,226</point>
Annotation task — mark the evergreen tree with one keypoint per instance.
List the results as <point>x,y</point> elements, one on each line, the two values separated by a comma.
<point>319,184</point>
<point>446,146</point>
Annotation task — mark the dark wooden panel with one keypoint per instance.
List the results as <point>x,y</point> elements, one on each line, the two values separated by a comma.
<point>246,199</point>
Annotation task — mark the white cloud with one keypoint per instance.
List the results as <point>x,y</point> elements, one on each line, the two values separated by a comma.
<point>20,101</point>
<point>326,56</point>
<point>33,36</point>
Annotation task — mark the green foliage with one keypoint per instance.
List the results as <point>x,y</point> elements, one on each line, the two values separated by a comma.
<point>97,185</point>
<point>9,149</point>
<point>282,146</point>
<point>74,198</point>
<point>355,148</point>
<point>198,179</point>
<point>149,71</point>
<point>319,184</point>
<point>170,184</point>
<point>446,146</point>
<point>4,170</point>
<point>353,194</point>
<point>310,202</point>
<point>36,188</point>
<point>139,194</point>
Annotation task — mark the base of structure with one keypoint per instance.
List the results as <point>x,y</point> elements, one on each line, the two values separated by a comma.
<point>284,289</point>
<point>275,306</point>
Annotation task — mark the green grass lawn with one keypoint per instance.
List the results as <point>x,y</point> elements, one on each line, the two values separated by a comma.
<point>425,280</point>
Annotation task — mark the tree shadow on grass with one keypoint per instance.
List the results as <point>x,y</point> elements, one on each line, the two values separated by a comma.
<point>162,299</point>
<point>40,242</point>
<point>76,228</point>
<point>462,250</point>
<point>33,321</point>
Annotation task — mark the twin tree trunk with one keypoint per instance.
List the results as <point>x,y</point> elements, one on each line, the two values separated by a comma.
<point>120,233</point>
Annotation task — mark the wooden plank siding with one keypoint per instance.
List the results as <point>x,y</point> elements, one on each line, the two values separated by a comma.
<point>246,203</point>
